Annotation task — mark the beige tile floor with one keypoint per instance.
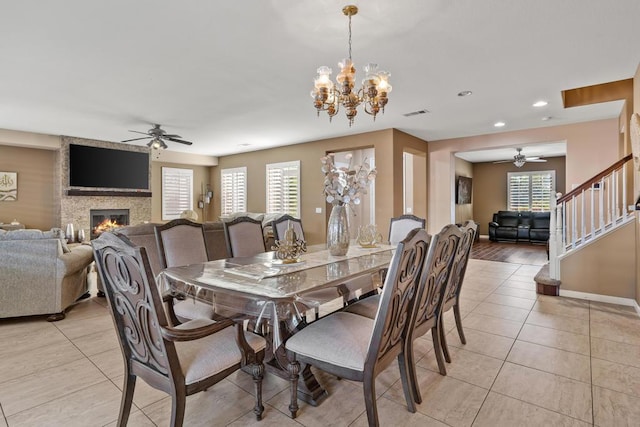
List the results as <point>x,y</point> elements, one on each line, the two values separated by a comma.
<point>529,360</point>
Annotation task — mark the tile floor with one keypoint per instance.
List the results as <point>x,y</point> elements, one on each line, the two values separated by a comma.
<point>529,360</point>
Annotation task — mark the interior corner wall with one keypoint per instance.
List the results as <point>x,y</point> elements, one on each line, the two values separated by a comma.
<point>636,109</point>
<point>591,148</point>
<point>37,203</point>
<point>201,175</point>
<point>403,142</point>
<point>311,178</point>
<point>464,212</point>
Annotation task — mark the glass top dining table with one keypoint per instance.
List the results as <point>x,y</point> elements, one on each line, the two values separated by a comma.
<point>263,287</point>
<point>275,296</point>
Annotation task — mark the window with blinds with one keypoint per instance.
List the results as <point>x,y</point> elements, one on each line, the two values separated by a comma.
<point>283,188</point>
<point>233,190</point>
<point>530,191</point>
<point>177,192</point>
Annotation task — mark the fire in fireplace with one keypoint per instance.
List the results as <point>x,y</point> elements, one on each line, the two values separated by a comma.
<point>107,219</point>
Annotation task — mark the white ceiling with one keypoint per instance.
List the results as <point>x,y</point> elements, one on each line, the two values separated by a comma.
<point>227,74</point>
<point>552,149</point>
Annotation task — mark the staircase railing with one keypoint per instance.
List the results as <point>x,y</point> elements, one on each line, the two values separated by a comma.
<point>587,211</point>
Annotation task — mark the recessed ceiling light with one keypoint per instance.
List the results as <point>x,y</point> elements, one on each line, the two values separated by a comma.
<point>540,104</point>
<point>465,93</point>
<point>499,124</point>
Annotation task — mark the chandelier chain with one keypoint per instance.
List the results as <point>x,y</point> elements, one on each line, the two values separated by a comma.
<point>350,37</point>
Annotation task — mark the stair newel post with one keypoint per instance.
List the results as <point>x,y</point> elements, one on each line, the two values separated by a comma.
<point>555,236</point>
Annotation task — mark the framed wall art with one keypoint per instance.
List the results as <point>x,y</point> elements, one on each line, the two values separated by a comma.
<point>463,190</point>
<point>8,186</point>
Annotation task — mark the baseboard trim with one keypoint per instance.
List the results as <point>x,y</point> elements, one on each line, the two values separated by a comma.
<point>601,298</point>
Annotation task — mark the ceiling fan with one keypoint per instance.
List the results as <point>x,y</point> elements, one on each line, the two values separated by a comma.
<point>158,138</point>
<point>520,159</point>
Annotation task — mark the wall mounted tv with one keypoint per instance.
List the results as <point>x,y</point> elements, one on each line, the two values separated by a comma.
<point>106,168</point>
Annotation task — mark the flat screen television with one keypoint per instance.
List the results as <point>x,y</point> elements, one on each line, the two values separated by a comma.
<point>108,168</point>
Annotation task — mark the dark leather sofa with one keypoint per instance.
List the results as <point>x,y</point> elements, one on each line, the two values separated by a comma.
<point>521,226</point>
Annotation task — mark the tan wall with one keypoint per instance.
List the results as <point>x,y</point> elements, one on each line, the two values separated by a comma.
<point>490,186</point>
<point>636,109</point>
<point>464,212</point>
<point>311,177</point>
<point>36,205</point>
<point>604,266</point>
<point>201,174</point>
<point>402,143</point>
<point>591,147</point>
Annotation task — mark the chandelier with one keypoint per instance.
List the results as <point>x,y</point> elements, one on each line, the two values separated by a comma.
<point>373,93</point>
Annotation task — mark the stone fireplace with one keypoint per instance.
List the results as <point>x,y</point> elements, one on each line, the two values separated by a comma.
<point>102,220</point>
<point>76,207</point>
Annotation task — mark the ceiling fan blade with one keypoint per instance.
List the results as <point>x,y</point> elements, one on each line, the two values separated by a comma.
<point>171,135</point>
<point>504,161</point>
<point>181,141</point>
<point>534,160</point>
<point>137,139</point>
<point>137,131</point>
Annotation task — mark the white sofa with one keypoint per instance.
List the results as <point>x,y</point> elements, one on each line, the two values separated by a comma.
<point>39,274</point>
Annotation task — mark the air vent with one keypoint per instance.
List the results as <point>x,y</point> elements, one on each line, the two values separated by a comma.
<point>415,113</point>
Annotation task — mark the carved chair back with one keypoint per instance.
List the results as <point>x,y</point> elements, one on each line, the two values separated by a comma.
<point>459,265</point>
<point>396,301</point>
<point>136,309</point>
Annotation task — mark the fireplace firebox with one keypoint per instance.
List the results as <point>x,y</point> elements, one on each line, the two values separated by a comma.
<point>107,219</point>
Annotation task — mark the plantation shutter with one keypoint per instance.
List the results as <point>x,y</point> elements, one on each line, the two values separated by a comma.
<point>233,190</point>
<point>283,188</point>
<point>177,192</point>
<point>530,191</point>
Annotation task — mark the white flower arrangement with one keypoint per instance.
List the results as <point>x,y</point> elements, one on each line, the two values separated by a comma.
<point>346,185</point>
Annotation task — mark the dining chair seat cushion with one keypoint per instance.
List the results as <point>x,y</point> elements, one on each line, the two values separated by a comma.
<point>189,309</point>
<point>367,307</point>
<point>199,359</point>
<point>340,339</point>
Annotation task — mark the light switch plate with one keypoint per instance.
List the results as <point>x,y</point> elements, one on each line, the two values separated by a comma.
<point>318,210</point>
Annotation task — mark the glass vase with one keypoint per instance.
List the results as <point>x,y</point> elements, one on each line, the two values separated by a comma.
<point>338,231</point>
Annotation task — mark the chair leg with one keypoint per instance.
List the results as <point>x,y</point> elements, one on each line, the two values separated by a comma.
<point>443,341</point>
<point>403,362</point>
<point>258,374</point>
<point>437,348</point>
<point>411,372</point>
<point>294,371</point>
<point>456,313</point>
<point>177,408</point>
<point>369,386</point>
<point>127,399</point>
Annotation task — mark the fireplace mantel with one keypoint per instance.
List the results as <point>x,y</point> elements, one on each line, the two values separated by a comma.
<point>72,192</point>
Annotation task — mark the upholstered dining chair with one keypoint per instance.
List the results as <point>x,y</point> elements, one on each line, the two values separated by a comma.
<point>428,304</point>
<point>180,360</point>
<point>400,226</point>
<point>456,277</point>
<point>280,225</point>
<point>358,348</point>
<point>182,242</point>
<point>244,237</point>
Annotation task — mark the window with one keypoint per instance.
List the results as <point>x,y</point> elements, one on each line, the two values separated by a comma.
<point>233,190</point>
<point>530,191</point>
<point>177,192</point>
<point>283,188</point>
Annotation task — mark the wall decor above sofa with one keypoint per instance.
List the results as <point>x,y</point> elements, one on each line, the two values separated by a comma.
<point>8,186</point>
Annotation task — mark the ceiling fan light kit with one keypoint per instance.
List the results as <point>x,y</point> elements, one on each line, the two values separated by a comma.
<point>158,137</point>
<point>373,94</point>
<point>520,159</point>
